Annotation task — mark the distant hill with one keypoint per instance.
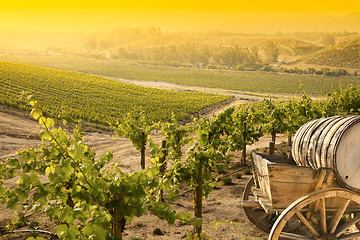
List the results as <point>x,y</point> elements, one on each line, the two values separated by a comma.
<point>179,47</point>
<point>287,46</point>
<point>297,47</point>
<point>345,55</point>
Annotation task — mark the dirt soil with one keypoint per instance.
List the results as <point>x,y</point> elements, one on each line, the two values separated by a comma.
<point>18,130</point>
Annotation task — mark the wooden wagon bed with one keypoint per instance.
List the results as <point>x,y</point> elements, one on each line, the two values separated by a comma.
<point>279,181</point>
<point>305,197</point>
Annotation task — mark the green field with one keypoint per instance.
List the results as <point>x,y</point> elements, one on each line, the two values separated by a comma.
<point>259,82</point>
<point>73,96</point>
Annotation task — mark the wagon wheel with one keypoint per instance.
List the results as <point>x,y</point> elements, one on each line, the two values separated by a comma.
<point>325,223</point>
<point>257,215</point>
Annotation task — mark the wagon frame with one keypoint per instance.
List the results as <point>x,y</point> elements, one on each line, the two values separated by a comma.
<point>298,202</point>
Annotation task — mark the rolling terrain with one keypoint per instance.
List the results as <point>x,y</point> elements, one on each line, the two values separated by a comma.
<point>66,87</point>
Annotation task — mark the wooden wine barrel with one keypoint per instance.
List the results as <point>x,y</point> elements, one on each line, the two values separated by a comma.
<point>332,142</point>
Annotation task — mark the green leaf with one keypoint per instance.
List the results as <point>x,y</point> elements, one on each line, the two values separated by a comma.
<point>49,123</point>
<point>73,232</point>
<point>100,232</point>
<point>45,135</point>
<point>37,238</point>
<point>184,216</point>
<point>50,169</point>
<point>164,211</point>
<point>66,167</point>
<point>62,231</point>
<point>12,203</point>
<point>197,222</point>
<point>152,172</point>
<point>35,113</point>
<point>87,230</point>
<point>2,192</point>
<point>40,193</point>
<point>66,215</point>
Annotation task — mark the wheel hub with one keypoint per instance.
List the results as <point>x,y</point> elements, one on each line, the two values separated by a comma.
<point>328,236</point>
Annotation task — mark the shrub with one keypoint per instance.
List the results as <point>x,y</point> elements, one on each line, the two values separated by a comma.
<point>247,171</point>
<point>267,68</point>
<point>238,175</point>
<point>212,66</point>
<point>226,181</point>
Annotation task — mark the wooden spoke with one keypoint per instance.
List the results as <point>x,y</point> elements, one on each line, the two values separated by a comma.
<point>334,223</point>
<point>319,182</point>
<point>307,224</point>
<point>351,236</point>
<point>322,215</point>
<point>294,236</point>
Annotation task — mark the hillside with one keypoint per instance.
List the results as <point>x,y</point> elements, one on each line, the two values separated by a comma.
<point>231,50</point>
<point>345,55</point>
<point>287,46</point>
<point>297,47</point>
<point>213,50</point>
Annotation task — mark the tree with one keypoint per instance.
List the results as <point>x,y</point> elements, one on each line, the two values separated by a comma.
<point>233,56</point>
<point>271,52</point>
<point>122,53</point>
<point>328,40</point>
<point>91,43</point>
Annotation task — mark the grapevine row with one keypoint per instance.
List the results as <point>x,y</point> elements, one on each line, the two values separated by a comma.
<point>76,96</point>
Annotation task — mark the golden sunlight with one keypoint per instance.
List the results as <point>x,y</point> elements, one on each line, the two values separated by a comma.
<point>227,15</point>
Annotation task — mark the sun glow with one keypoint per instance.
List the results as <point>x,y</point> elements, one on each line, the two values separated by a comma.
<point>185,15</point>
<point>276,5</point>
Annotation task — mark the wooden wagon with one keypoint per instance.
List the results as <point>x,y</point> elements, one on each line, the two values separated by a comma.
<point>290,201</point>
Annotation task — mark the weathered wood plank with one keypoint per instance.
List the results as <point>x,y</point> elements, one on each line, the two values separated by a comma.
<point>261,170</point>
<point>289,182</point>
<point>283,183</point>
<point>252,204</point>
<point>263,200</point>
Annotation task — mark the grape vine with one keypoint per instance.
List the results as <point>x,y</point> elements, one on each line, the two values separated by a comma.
<point>62,179</point>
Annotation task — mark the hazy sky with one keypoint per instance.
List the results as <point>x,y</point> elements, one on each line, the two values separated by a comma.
<point>255,15</point>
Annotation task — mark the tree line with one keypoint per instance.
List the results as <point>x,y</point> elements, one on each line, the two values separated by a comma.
<point>233,57</point>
